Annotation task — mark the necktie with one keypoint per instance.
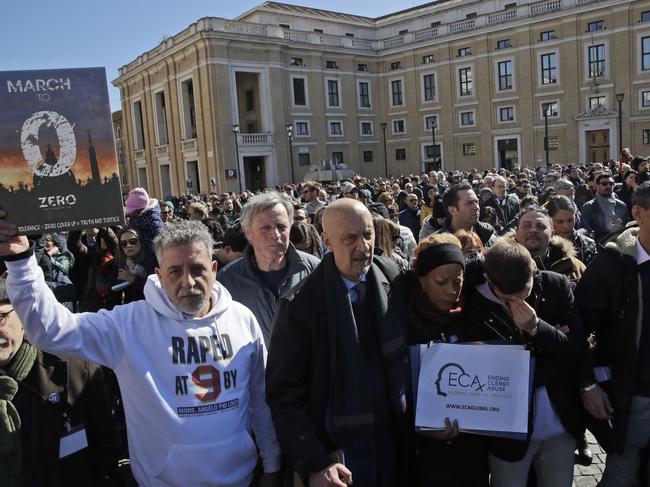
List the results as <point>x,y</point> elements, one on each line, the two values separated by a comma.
<point>360,292</point>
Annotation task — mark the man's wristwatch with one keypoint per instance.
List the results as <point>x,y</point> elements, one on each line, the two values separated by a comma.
<point>588,388</point>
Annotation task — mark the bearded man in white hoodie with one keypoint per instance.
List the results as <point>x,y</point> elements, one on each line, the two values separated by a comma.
<point>189,360</point>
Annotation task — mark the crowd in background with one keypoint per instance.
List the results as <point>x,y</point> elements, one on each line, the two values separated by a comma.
<point>562,216</point>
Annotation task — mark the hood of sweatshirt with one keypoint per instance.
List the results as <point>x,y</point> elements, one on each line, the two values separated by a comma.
<point>157,298</point>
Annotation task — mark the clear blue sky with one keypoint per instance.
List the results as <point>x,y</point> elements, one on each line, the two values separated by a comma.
<point>44,34</point>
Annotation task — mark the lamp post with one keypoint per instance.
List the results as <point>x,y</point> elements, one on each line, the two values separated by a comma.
<point>619,100</point>
<point>547,107</point>
<point>289,128</point>
<point>433,151</point>
<point>235,131</point>
<point>383,128</point>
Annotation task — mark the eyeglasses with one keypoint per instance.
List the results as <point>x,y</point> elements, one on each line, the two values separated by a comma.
<point>130,241</point>
<point>606,183</point>
<point>4,316</point>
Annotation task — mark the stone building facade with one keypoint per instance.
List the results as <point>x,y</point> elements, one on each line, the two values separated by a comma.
<point>210,108</point>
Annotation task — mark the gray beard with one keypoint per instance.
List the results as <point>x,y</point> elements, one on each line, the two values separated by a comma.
<point>190,309</point>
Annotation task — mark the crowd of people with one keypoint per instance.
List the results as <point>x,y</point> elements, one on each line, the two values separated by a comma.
<point>150,341</point>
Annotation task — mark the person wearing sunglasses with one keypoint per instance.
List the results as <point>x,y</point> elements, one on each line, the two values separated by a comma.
<point>605,213</point>
<point>131,258</point>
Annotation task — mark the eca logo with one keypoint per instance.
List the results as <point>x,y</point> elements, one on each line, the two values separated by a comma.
<point>452,376</point>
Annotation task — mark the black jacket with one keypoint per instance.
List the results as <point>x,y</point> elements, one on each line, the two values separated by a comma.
<point>508,210</point>
<point>301,369</point>
<point>608,299</point>
<point>558,356</point>
<point>485,231</point>
<point>596,218</point>
<point>53,390</point>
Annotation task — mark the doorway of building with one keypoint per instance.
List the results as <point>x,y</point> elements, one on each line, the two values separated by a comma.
<point>192,182</point>
<point>254,171</point>
<point>598,145</point>
<point>507,153</point>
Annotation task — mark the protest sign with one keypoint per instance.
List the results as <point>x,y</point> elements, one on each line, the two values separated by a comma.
<point>485,387</point>
<point>58,167</point>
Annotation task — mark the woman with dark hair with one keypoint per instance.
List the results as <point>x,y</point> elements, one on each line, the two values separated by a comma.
<point>387,235</point>
<point>624,193</point>
<point>429,299</point>
<point>563,212</point>
<point>131,260</point>
<point>304,236</point>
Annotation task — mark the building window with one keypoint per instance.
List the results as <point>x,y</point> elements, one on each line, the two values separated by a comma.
<point>189,110</point>
<point>506,114</point>
<point>302,129</point>
<point>349,34</point>
<point>553,142</point>
<point>429,81</point>
<point>161,118</point>
<point>332,93</point>
<point>336,128</point>
<point>303,159</point>
<point>645,98</point>
<point>430,121</point>
<point>430,153</point>
<point>464,51</point>
<point>549,68</point>
<point>547,35</point>
<point>505,75</point>
<point>552,107</point>
<point>331,65</point>
<point>645,16</point>
<point>596,101</point>
<point>469,149</point>
<point>362,67</point>
<point>508,6</point>
<point>466,119</point>
<point>400,154</point>
<point>396,92</point>
<point>403,32</point>
<point>364,94</point>
<point>645,53</point>
<point>395,65</point>
<point>437,23</point>
<point>471,15</point>
<point>595,26</point>
<point>366,128</point>
<point>465,81</point>
<point>367,156</point>
<point>296,61</point>
<point>504,44</point>
<point>596,56</point>
<point>138,126</point>
<point>299,92</point>
<point>398,127</point>
<point>337,157</point>
<point>428,59</point>
<point>319,31</point>
<point>646,136</point>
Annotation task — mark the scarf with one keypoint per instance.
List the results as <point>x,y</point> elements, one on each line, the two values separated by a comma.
<point>10,439</point>
<point>427,323</point>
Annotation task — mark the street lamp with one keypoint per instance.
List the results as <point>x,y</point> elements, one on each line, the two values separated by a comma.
<point>619,100</point>
<point>433,150</point>
<point>383,127</point>
<point>289,128</point>
<point>547,108</point>
<point>235,131</point>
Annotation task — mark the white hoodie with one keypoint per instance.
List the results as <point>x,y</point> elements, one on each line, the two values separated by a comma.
<point>193,388</point>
